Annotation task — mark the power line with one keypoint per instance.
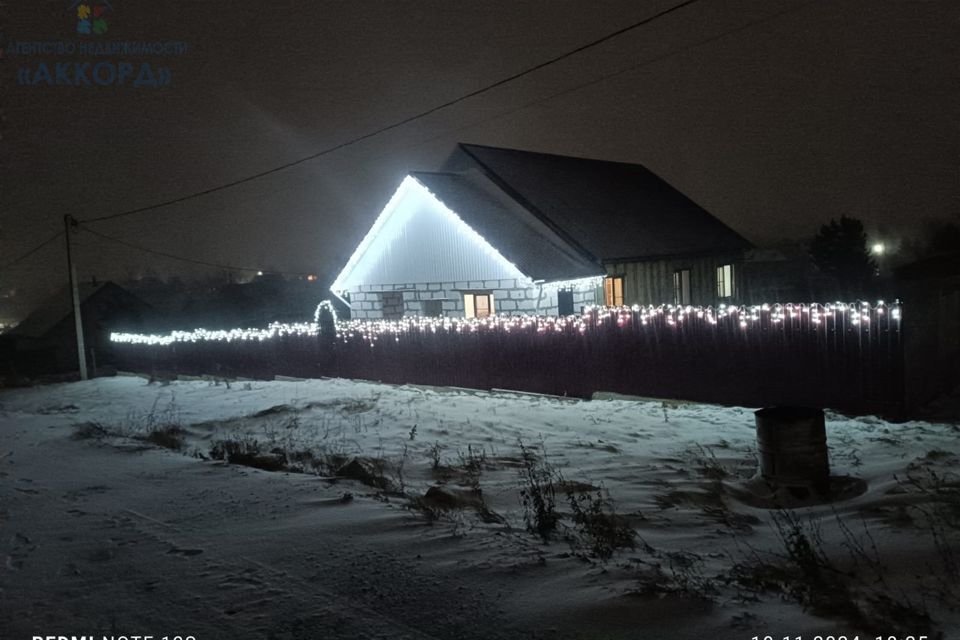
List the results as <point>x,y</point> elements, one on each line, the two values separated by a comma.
<point>608,76</point>
<point>400,123</point>
<point>31,251</point>
<point>204,263</point>
<point>619,72</point>
<point>634,67</point>
<point>526,105</point>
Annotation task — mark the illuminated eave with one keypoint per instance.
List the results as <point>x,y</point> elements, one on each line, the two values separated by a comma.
<point>409,186</point>
<point>575,284</point>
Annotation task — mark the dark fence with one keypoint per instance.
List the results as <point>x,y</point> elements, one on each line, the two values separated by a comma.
<point>847,357</point>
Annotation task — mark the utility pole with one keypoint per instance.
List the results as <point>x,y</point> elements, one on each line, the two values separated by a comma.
<point>69,222</point>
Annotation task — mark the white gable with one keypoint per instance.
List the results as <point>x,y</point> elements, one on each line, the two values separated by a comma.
<point>417,239</point>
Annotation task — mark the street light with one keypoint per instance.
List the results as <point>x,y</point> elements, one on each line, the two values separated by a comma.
<point>878,249</point>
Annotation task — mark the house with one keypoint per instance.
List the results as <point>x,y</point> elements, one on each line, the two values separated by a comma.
<point>45,341</point>
<point>224,305</point>
<point>509,231</point>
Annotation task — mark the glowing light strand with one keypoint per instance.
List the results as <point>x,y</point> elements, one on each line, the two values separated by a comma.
<point>577,284</point>
<point>377,239</point>
<point>325,305</point>
<point>858,315</point>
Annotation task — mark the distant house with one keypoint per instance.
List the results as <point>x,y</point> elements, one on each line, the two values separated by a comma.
<point>508,231</point>
<point>45,341</point>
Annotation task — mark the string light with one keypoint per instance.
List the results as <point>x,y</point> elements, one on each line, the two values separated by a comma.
<point>577,284</point>
<point>274,330</point>
<point>325,305</point>
<point>410,199</point>
<point>814,315</point>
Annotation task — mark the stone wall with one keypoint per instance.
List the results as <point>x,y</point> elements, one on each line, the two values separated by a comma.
<point>394,300</point>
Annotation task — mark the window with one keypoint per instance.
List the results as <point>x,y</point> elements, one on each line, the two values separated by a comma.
<point>432,308</point>
<point>613,291</point>
<point>478,305</point>
<point>681,286</point>
<point>565,302</point>
<point>725,281</point>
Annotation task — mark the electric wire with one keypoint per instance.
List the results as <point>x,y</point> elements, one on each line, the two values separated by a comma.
<point>29,253</point>
<point>501,114</point>
<point>399,123</point>
<point>204,263</point>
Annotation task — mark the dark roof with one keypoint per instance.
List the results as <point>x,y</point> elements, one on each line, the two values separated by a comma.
<point>517,234</point>
<point>607,210</point>
<point>59,306</point>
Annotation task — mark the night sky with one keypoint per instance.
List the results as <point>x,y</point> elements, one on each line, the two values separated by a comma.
<point>829,108</point>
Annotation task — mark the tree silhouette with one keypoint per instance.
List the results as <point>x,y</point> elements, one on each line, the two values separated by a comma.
<point>938,236</point>
<point>840,250</point>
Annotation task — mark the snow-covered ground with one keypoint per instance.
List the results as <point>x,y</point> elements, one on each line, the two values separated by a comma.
<point>104,532</point>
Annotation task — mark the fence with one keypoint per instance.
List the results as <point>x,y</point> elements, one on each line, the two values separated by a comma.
<point>844,356</point>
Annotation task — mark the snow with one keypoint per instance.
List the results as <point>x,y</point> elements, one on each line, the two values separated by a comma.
<point>107,533</point>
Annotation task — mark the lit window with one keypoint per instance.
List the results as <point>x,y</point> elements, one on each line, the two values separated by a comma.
<point>478,305</point>
<point>725,281</point>
<point>681,286</point>
<point>613,291</point>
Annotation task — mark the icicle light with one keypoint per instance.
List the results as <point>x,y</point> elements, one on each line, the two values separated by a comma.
<point>860,316</point>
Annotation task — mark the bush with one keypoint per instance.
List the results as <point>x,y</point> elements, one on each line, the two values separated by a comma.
<point>599,524</point>
<point>247,452</point>
<point>167,437</point>
<point>808,575</point>
<point>538,493</point>
<point>90,431</point>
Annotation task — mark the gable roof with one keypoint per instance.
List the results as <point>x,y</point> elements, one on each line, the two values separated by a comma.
<point>607,210</point>
<point>538,216</point>
<point>519,236</point>
<point>417,238</point>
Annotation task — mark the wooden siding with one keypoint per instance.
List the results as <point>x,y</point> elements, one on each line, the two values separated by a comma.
<point>651,281</point>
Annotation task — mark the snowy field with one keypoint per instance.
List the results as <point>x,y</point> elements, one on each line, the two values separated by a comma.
<point>339,509</point>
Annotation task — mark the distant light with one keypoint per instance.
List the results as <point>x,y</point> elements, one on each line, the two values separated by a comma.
<point>878,249</point>
<point>259,273</point>
<point>311,278</point>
